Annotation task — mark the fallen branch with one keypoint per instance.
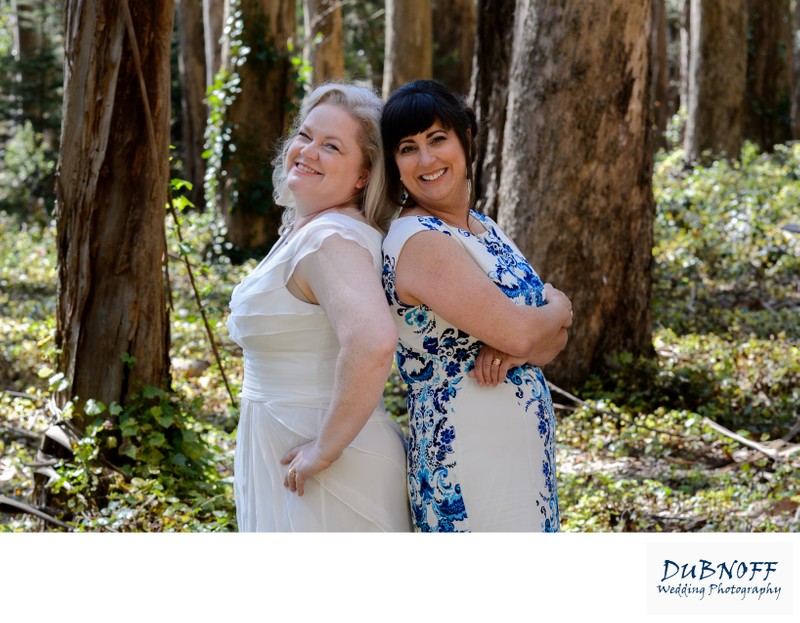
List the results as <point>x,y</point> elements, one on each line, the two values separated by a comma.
<point>9,505</point>
<point>613,415</point>
<point>19,432</point>
<point>773,453</point>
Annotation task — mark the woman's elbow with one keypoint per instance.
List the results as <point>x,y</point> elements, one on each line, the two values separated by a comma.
<point>378,343</point>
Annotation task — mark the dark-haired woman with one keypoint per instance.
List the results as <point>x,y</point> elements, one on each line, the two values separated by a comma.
<point>474,322</point>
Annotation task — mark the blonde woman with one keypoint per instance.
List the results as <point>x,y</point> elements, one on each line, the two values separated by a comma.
<point>315,449</point>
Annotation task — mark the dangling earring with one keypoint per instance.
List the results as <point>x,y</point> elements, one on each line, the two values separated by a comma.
<point>403,196</point>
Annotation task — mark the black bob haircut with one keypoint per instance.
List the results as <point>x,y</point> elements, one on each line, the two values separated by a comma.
<point>413,108</point>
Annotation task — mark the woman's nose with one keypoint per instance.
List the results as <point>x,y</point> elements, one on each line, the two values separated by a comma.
<point>426,156</point>
<point>309,151</point>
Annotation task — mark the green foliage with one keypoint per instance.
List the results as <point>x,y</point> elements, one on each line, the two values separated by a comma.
<point>27,174</point>
<point>32,83</point>
<point>363,26</point>
<point>164,479</point>
<point>724,264</point>
<point>640,453</point>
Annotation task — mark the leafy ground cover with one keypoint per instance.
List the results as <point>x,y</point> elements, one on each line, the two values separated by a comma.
<point>704,437</point>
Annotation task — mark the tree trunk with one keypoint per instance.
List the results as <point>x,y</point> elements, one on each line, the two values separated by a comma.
<point>213,22</point>
<point>28,43</point>
<point>453,42</point>
<point>576,184</point>
<point>489,94</point>
<point>263,101</point>
<point>409,43</point>
<point>660,69</point>
<point>324,39</point>
<point>717,66</point>
<point>767,112</point>
<point>194,113</point>
<point>796,77</point>
<point>686,51</point>
<point>112,322</point>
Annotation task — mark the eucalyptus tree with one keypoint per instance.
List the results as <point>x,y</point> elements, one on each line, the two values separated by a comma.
<point>323,45</point>
<point>716,78</point>
<point>575,174</point>
<point>453,42</point>
<point>112,178</point>
<point>194,112</point>
<point>768,95</point>
<point>252,106</point>
<point>409,43</point>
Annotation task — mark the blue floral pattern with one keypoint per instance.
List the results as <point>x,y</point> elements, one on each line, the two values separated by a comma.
<point>434,359</point>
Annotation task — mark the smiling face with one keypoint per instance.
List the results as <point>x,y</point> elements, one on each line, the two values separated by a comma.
<point>325,164</point>
<point>433,168</point>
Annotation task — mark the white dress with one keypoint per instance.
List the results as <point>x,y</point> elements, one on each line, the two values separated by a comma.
<point>480,459</point>
<point>290,352</point>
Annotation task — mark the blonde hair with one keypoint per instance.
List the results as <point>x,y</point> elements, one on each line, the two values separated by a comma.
<point>365,106</point>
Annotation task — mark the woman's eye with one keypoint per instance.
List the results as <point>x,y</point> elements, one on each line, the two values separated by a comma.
<point>304,135</point>
<point>331,146</point>
<point>438,138</point>
<point>405,149</point>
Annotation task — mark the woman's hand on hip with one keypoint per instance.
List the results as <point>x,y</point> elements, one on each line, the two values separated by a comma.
<point>303,461</point>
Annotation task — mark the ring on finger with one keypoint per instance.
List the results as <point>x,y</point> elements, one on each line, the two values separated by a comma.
<point>497,361</point>
<point>292,473</point>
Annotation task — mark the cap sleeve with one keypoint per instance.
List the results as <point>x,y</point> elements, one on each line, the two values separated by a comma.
<point>256,292</point>
<point>403,228</point>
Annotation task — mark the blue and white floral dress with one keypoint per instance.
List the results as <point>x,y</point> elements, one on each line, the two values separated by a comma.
<point>480,459</point>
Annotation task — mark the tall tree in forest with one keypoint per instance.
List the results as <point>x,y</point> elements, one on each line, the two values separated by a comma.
<point>489,94</point>
<point>576,183</point>
<point>660,70</point>
<point>409,43</point>
<point>254,108</point>
<point>323,47</point>
<point>27,43</point>
<point>716,78</point>
<point>796,75</point>
<point>686,50</point>
<point>213,22</point>
<point>112,324</point>
<point>453,42</point>
<point>194,112</point>
<point>768,95</point>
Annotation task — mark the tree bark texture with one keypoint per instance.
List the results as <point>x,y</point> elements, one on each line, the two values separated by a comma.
<point>28,43</point>
<point>213,22</point>
<point>717,70</point>
<point>324,39</point>
<point>768,97</point>
<point>660,70</point>
<point>194,112</point>
<point>257,117</point>
<point>796,77</point>
<point>409,43</point>
<point>489,94</point>
<point>111,197</point>
<point>686,50</point>
<point>576,184</point>
<point>453,42</point>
